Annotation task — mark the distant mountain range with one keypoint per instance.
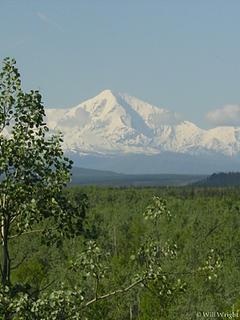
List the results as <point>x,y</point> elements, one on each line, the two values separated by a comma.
<point>115,131</point>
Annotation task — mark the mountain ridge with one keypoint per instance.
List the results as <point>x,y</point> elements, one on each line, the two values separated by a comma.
<point>220,179</point>
<point>115,125</point>
<point>83,176</point>
<point>115,122</point>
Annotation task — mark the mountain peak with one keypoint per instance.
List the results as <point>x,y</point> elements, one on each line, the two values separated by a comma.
<point>107,93</point>
<point>115,123</point>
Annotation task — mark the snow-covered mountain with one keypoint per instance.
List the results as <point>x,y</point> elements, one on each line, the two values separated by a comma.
<point>117,124</point>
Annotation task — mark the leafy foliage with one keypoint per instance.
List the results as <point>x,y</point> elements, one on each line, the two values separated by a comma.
<point>95,270</point>
<point>33,170</point>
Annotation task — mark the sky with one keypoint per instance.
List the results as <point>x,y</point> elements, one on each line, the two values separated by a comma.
<point>180,55</point>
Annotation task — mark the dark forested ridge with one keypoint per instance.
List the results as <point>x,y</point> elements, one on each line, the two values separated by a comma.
<point>221,179</point>
<point>84,176</point>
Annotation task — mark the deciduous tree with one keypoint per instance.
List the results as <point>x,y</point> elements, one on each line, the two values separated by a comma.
<point>33,171</point>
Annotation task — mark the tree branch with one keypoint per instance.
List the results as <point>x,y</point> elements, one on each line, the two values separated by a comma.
<point>19,263</point>
<point>47,286</point>
<point>30,231</point>
<point>27,232</point>
<point>114,293</point>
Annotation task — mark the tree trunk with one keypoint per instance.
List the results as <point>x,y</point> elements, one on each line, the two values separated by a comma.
<point>130,313</point>
<point>115,240</point>
<point>5,254</point>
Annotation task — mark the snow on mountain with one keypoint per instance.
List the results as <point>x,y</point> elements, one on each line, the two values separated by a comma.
<point>113,123</point>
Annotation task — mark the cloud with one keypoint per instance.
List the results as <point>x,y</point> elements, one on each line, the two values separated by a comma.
<point>47,20</point>
<point>228,115</point>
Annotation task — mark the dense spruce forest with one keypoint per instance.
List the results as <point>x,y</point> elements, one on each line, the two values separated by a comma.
<point>201,220</point>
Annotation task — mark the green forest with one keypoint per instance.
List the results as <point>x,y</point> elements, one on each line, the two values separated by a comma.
<point>202,220</point>
<point>92,252</point>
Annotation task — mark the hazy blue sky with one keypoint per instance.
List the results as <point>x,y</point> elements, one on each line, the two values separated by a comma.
<point>183,55</point>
